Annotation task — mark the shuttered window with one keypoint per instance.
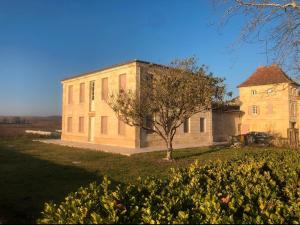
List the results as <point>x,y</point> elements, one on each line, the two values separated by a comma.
<point>122,83</point>
<point>202,125</point>
<point>104,95</point>
<point>81,124</point>
<point>186,126</point>
<point>103,124</point>
<point>82,92</point>
<point>70,94</point>
<point>69,124</point>
<point>121,128</point>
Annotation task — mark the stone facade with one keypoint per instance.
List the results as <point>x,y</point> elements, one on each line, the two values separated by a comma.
<point>226,123</point>
<point>269,108</point>
<point>269,101</point>
<point>84,113</point>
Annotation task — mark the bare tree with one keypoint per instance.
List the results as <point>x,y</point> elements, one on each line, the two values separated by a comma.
<point>277,22</point>
<point>167,97</point>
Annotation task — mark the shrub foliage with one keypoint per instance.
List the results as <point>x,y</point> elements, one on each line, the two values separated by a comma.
<point>263,188</point>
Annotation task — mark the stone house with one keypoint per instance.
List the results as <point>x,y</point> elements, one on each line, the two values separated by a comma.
<point>86,116</point>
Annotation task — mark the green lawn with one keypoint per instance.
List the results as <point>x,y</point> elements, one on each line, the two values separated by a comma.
<point>33,173</point>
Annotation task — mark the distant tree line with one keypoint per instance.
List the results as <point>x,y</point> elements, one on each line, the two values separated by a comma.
<point>14,120</point>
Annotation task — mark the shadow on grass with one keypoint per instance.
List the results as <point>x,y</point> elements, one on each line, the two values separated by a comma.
<point>191,154</point>
<point>27,183</point>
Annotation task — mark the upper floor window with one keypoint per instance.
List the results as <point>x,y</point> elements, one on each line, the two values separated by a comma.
<point>104,94</point>
<point>122,83</point>
<point>254,110</point>
<point>293,109</point>
<point>70,94</point>
<point>202,125</point>
<point>92,90</point>
<point>186,126</point>
<point>82,92</point>
<point>253,92</point>
<point>294,91</point>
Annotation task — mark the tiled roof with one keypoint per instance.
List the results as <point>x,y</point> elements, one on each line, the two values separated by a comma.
<point>272,74</point>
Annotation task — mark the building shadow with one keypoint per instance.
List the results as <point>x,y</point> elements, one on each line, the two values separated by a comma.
<point>26,183</point>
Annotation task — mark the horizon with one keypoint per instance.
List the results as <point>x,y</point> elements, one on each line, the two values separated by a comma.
<point>46,42</point>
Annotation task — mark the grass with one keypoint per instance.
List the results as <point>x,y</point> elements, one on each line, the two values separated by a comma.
<point>33,173</point>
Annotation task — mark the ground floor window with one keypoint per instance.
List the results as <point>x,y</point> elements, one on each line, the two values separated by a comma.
<point>103,124</point>
<point>69,124</point>
<point>81,124</point>
<point>121,128</point>
<point>202,125</point>
<point>186,126</point>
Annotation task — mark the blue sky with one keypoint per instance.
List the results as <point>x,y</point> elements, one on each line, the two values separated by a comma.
<point>45,41</point>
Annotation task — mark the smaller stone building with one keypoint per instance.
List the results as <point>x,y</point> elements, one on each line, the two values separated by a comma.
<point>269,100</point>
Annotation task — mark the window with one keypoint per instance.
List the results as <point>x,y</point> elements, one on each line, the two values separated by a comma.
<point>82,93</point>
<point>253,92</point>
<point>70,94</point>
<point>103,124</point>
<point>121,127</point>
<point>186,126</point>
<point>294,91</point>
<point>254,110</point>
<point>293,109</point>
<point>92,96</point>
<point>150,123</point>
<point>92,90</point>
<point>69,124</point>
<point>122,83</point>
<point>81,124</point>
<point>202,125</point>
<point>104,94</point>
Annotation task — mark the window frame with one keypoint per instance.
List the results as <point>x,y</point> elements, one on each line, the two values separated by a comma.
<point>81,124</point>
<point>70,94</point>
<point>82,92</point>
<point>120,133</point>
<point>104,96</point>
<point>254,110</point>
<point>102,127</point>
<point>204,124</point>
<point>186,126</point>
<point>69,124</point>
<point>122,89</point>
<point>253,92</point>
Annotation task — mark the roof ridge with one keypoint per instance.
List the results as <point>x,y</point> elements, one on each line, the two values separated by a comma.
<point>270,74</point>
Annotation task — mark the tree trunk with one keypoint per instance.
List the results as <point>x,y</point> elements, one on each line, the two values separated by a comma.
<point>169,151</point>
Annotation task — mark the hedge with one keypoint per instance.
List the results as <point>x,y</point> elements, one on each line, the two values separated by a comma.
<point>264,188</point>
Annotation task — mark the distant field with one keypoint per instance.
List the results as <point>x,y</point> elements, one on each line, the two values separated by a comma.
<point>34,123</point>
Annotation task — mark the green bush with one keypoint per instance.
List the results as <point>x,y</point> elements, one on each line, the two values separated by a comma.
<point>256,189</point>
